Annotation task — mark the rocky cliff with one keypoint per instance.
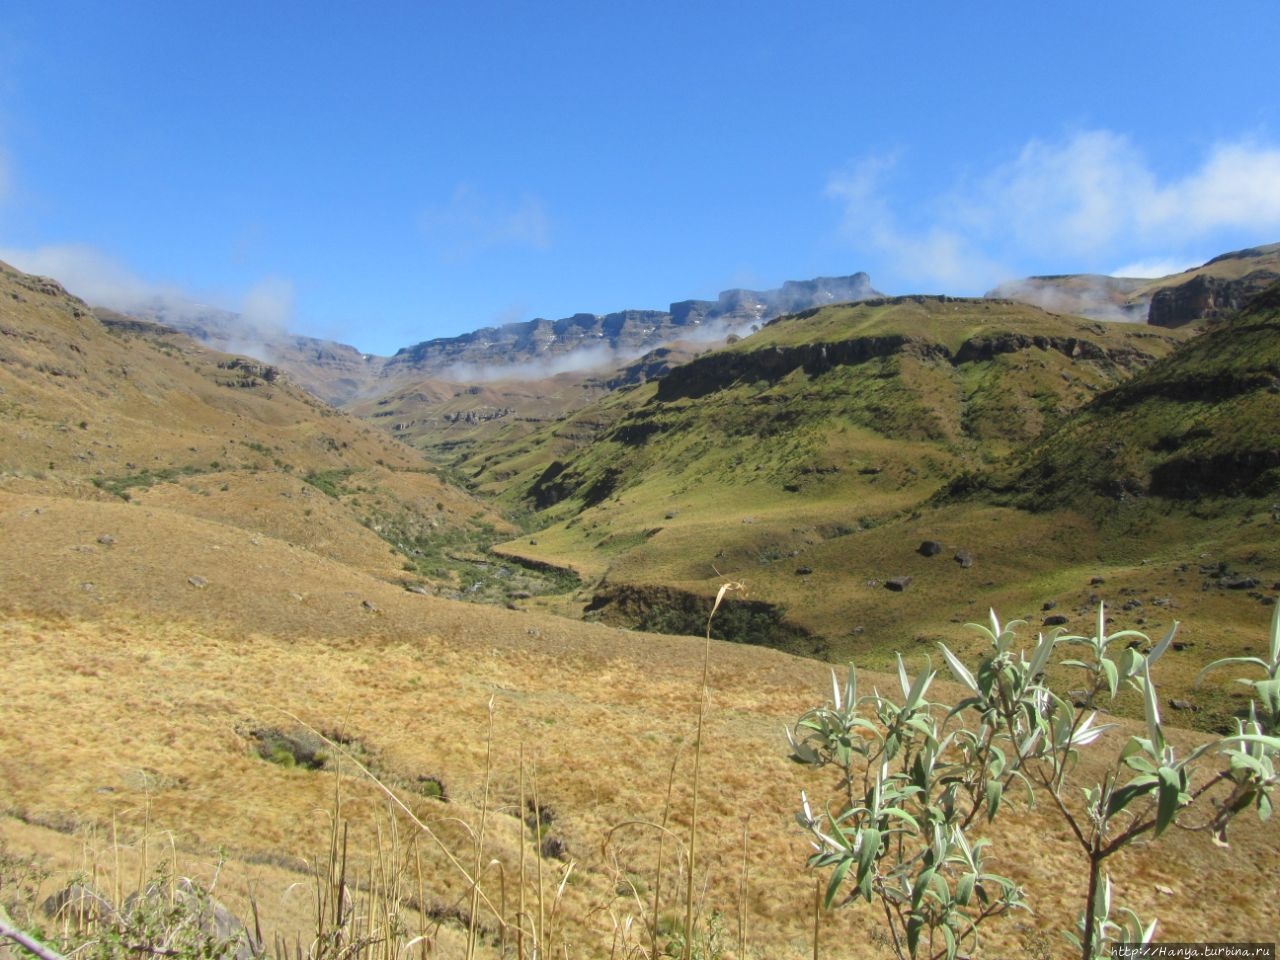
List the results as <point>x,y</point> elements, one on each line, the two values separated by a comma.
<point>627,333</point>
<point>1206,298</point>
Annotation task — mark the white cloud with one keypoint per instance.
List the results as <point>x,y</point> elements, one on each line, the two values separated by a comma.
<point>471,222</point>
<point>938,254</point>
<point>1238,186</point>
<point>266,310</point>
<point>1065,198</point>
<point>1076,204</point>
<point>1151,269</point>
<point>268,305</point>
<point>90,274</point>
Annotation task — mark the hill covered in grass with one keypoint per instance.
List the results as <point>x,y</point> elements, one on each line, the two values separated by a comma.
<point>823,461</point>
<point>1196,429</point>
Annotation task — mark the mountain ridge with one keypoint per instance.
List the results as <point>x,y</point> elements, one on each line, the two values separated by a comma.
<point>340,374</point>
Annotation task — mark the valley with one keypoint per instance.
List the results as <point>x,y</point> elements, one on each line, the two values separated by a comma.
<point>204,553</point>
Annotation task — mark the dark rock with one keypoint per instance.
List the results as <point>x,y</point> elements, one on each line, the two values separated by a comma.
<point>929,548</point>
<point>78,905</point>
<point>898,584</point>
<point>1240,583</point>
<point>1205,297</point>
<point>1097,581</point>
<point>369,605</point>
<point>1055,620</point>
<point>1048,604</point>
<point>212,918</point>
<point>803,571</point>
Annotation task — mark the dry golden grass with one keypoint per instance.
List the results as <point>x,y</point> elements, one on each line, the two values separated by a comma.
<point>127,708</point>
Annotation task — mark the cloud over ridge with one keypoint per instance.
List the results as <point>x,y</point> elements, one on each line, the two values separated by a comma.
<point>1084,202</point>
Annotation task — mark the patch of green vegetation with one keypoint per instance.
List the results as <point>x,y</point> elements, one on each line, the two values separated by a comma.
<point>329,482</point>
<point>120,486</point>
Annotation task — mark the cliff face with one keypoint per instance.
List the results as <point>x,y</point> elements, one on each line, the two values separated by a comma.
<point>627,332</point>
<point>1206,297</point>
<point>1212,290</point>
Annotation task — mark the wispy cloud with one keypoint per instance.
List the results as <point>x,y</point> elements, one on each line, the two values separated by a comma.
<point>938,254</point>
<point>472,221</point>
<point>265,310</point>
<point>1083,202</point>
<point>268,305</point>
<point>1152,268</point>
<point>90,274</point>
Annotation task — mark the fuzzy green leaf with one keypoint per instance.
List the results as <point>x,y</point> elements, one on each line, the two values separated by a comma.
<point>1168,799</point>
<point>837,877</point>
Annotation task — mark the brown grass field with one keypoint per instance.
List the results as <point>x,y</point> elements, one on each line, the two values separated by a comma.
<point>127,706</point>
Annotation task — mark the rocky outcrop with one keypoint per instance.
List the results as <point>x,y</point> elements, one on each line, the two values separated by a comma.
<point>627,332</point>
<point>1205,298</point>
<point>718,371</point>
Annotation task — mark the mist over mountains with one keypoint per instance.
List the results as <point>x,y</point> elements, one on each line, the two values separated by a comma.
<point>339,373</point>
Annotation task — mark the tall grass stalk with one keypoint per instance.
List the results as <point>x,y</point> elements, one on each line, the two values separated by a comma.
<point>520,914</point>
<point>474,919</point>
<point>470,881</point>
<point>697,771</point>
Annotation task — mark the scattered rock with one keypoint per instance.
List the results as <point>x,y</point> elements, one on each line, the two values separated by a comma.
<point>1078,698</point>
<point>198,582</point>
<point>1048,604</point>
<point>1055,620</point>
<point>106,540</point>
<point>803,571</point>
<point>79,905</point>
<point>898,584</point>
<point>1183,705</point>
<point>369,605</point>
<point>964,558</point>
<point>929,548</point>
<point>1097,581</point>
<point>1240,583</point>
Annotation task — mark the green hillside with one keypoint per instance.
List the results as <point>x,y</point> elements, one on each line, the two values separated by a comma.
<point>802,460</point>
<point>1198,429</point>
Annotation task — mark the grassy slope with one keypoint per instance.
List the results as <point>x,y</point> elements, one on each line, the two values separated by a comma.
<point>127,709</point>
<point>123,413</point>
<point>781,468</point>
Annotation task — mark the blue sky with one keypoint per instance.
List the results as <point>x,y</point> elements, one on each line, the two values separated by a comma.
<point>385,173</point>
